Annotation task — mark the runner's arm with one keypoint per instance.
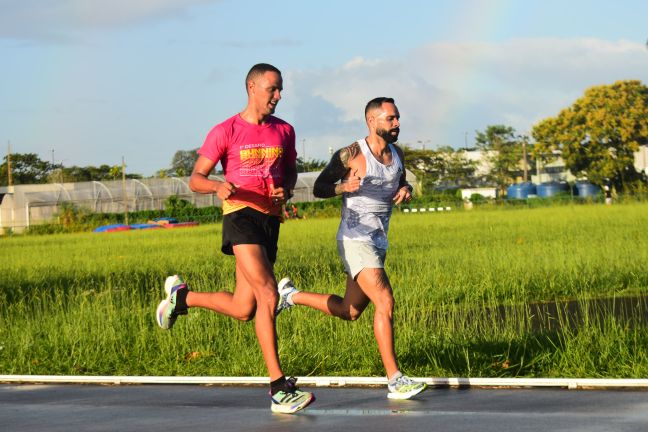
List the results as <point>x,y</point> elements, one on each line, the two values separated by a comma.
<point>201,183</point>
<point>402,181</point>
<point>326,185</point>
<point>290,179</point>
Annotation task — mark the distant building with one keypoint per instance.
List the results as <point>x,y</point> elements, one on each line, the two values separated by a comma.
<point>554,171</point>
<point>24,205</point>
<point>485,192</point>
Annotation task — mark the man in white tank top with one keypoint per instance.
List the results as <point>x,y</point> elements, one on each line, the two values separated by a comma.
<point>370,176</point>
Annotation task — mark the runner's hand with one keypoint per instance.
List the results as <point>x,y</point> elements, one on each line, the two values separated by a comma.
<point>403,195</point>
<point>278,195</point>
<point>225,190</point>
<point>352,184</point>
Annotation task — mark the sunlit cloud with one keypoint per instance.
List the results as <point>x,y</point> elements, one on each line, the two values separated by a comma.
<point>447,91</point>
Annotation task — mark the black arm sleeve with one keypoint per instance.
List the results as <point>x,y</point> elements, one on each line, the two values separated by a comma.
<point>334,171</point>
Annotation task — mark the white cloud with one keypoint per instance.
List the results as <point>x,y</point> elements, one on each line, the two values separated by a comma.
<point>447,90</point>
<point>57,19</point>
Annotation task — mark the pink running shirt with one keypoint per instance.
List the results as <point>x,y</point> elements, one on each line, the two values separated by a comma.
<point>253,158</point>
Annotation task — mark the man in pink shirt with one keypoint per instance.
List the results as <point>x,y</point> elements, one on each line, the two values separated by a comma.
<point>257,153</point>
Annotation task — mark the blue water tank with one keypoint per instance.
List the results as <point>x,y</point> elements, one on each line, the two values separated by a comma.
<point>549,189</point>
<point>587,190</point>
<point>520,190</point>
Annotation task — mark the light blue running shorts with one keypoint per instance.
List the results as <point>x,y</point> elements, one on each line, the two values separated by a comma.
<point>358,255</point>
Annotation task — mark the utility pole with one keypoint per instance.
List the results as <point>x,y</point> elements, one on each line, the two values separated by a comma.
<point>9,175</point>
<point>125,196</point>
<point>54,173</point>
<point>524,158</point>
<point>304,154</point>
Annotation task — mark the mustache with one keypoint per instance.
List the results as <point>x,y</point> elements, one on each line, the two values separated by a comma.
<point>397,130</point>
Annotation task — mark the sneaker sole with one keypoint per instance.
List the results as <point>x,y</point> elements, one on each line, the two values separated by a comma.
<point>408,395</point>
<point>159,313</point>
<point>169,283</point>
<point>287,409</point>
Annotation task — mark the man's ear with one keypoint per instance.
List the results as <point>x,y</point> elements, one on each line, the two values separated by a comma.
<point>371,120</point>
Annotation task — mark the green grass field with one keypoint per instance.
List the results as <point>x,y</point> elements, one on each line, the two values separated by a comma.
<point>84,303</point>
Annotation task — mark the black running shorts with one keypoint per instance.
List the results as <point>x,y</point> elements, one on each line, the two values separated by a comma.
<point>250,226</point>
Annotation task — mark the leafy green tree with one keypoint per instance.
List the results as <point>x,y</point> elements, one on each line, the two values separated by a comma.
<point>162,173</point>
<point>309,165</point>
<point>598,135</point>
<point>503,150</point>
<point>89,173</point>
<point>427,165</point>
<point>26,168</point>
<point>442,168</point>
<point>183,162</point>
<point>459,171</point>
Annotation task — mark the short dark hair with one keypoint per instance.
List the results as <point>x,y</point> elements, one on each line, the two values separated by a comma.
<point>259,69</point>
<point>377,103</point>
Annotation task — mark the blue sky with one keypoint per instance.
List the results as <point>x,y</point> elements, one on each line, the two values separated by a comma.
<point>95,80</point>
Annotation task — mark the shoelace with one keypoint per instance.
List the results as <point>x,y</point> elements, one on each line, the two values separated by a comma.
<point>404,380</point>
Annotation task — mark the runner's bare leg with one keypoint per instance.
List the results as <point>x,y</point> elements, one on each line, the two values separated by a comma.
<point>348,308</point>
<point>257,271</point>
<point>240,305</point>
<point>371,284</point>
<point>375,284</point>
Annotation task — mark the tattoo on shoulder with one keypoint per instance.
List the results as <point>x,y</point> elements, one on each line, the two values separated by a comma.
<point>326,183</point>
<point>349,153</point>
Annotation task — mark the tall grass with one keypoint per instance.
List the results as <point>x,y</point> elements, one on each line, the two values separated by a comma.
<point>84,303</point>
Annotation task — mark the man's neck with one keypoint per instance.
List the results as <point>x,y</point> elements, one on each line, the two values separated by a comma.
<point>377,145</point>
<point>252,116</point>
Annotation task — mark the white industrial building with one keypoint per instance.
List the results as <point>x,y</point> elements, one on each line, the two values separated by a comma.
<point>24,205</point>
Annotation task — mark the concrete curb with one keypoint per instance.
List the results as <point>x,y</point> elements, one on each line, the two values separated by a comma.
<point>569,383</point>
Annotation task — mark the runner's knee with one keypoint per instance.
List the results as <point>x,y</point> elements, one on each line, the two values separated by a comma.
<point>351,314</point>
<point>245,315</point>
<point>385,303</point>
<point>267,295</point>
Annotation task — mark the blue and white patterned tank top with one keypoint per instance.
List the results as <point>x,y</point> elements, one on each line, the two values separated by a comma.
<point>366,212</point>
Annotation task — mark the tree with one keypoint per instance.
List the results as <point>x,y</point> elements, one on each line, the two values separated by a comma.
<point>183,162</point>
<point>442,168</point>
<point>26,168</point>
<point>459,171</point>
<point>598,135</point>
<point>309,165</point>
<point>427,165</point>
<point>503,150</point>
<point>88,173</point>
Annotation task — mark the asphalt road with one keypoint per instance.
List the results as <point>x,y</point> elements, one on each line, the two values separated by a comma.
<point>123,408</point>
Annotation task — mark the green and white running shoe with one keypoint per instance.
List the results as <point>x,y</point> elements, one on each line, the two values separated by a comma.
<point>404,388</point>
<point>166,313</point>
<point>286,291</point>
<point>290,399</point>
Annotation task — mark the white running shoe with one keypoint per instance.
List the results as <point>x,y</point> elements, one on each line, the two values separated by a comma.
<point>166,313</point>
<point>286,291</point>
<point>291,399</point>
<point>405,388</point>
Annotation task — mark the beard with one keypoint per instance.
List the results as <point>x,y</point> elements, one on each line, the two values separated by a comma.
<point>388,135</point>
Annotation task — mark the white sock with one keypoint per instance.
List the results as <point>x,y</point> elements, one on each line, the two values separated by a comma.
<point>289,298</point>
